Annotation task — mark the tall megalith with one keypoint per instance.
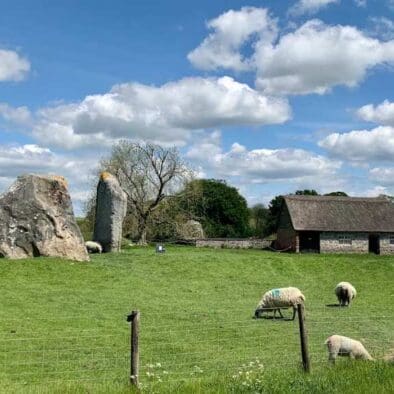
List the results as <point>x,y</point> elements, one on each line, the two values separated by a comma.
<point>111,205</point>
<point>37,219</point>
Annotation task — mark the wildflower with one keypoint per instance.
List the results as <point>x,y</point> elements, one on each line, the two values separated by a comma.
<point>158,365</point>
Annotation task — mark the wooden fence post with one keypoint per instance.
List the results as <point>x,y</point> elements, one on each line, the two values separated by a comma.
<point>303,338</point>
<point>134,318</point>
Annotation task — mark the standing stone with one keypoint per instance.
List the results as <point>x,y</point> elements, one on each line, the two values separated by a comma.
<point>37,219</point>
<point>111,205</point>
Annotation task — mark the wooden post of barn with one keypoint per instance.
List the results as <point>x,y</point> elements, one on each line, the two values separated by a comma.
<point>134,318</point>
<point>304,338</point>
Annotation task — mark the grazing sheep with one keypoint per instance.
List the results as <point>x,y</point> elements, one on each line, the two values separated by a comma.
<point>345,292</point>
<point>275,299</point>
<point>93,247</point>
<point>338,345</point>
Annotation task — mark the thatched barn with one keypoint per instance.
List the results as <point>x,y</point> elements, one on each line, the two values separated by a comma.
<point>329,224</point>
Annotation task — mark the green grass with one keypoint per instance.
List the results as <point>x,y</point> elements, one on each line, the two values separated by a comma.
<point>63,325</point>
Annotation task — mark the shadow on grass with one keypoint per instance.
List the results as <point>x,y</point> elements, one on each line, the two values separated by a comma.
<point>336,306</point>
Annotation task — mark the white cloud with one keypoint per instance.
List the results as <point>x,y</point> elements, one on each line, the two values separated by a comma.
<point>383,176</point>
<point>259,165</point>
<point>381,114</point>
<point>313,58</point>
<point>165,114</point>
<point>13,67</point>
<point>16,160</point>
<point>381,27</point>
<point>232,30</point>
<point>316,57</point>
<point>375,191</point>
<point>362,145</point>
<point>361,3</point>
<point>310,6</point>
<point>15,115</point>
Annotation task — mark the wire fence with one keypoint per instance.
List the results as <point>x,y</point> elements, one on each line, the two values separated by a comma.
<point>193,345</point>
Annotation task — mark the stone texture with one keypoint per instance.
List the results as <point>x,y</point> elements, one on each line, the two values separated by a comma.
<point>329,243</point>
<point>37,219</point>
<point>111,205</point>
<point>232,243</point>
<point>190,230</point>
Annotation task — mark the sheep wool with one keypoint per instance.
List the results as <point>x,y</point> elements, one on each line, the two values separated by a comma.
<point>284,297</point>
<point>345,292</point>
<point>339,345</point>
<point>93,247</point>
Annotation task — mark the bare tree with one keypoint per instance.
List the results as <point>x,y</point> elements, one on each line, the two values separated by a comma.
<point>148,173</point>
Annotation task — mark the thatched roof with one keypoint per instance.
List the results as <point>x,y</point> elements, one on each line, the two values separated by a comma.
<point>333,213</point>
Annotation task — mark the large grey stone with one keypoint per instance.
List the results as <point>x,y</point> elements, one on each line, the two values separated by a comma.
<point>111,205</point>
<point>37,219</point>
<point>190,230</point>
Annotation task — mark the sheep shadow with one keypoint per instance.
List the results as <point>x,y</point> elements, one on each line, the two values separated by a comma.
<point>284,318</point>
<point>335,306</point>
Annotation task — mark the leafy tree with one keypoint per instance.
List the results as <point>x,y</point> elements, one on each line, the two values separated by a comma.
<point>306,192</point>
<point>338,193</point>
<point>222,211</point>
<point>274,209</point>
<point>258,220</point>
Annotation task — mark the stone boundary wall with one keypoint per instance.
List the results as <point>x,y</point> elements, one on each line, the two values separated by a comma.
<point>233,243</point>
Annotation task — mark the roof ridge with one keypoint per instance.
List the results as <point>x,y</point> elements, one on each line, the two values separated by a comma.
<point>337,198</point>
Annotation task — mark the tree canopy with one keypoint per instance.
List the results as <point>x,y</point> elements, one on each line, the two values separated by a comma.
<point>220,208</point>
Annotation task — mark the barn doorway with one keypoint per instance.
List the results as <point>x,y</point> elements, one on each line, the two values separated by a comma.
<point>310,242</point>
<point>374,243</point>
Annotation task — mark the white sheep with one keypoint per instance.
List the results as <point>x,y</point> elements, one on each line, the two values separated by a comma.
<point>339,345</point>
<point>93,247</point>
<point>275,299</point>
<point>345,292</point>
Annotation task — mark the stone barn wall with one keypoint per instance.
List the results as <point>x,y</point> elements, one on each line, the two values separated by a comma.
<point>233,243</point>
<point>386,247</point>
<point>330,243</point>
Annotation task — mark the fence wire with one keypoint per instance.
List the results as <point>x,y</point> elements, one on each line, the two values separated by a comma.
<point>198,345</point>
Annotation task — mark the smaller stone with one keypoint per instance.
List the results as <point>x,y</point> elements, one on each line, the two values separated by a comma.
<point>191,230</point>
<point>111,206</point>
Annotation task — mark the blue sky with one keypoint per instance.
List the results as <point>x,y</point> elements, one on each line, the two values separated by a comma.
<point>270,95</point>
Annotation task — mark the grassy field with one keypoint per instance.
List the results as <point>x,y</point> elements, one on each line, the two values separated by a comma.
<point>63,325</point>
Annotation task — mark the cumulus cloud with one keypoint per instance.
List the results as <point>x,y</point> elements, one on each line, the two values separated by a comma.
<point>15,115</point>
<point>165,114</point>
<point>361,3</point>
<point>313,58</point>
<point>381,114</point>
<point>310,6</point>
<point>259,165</point>
<point>316,57</point>
<point>13,67</point>
<point>230,31</point>
<point>383,176</point>
<point>362,145</point>
<point>31,158</point>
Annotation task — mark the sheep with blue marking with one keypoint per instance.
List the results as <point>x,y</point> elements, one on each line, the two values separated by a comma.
<point>275,299</point>
<point>93,247</point>
<point>339,345</point>
<point>345,293</point>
